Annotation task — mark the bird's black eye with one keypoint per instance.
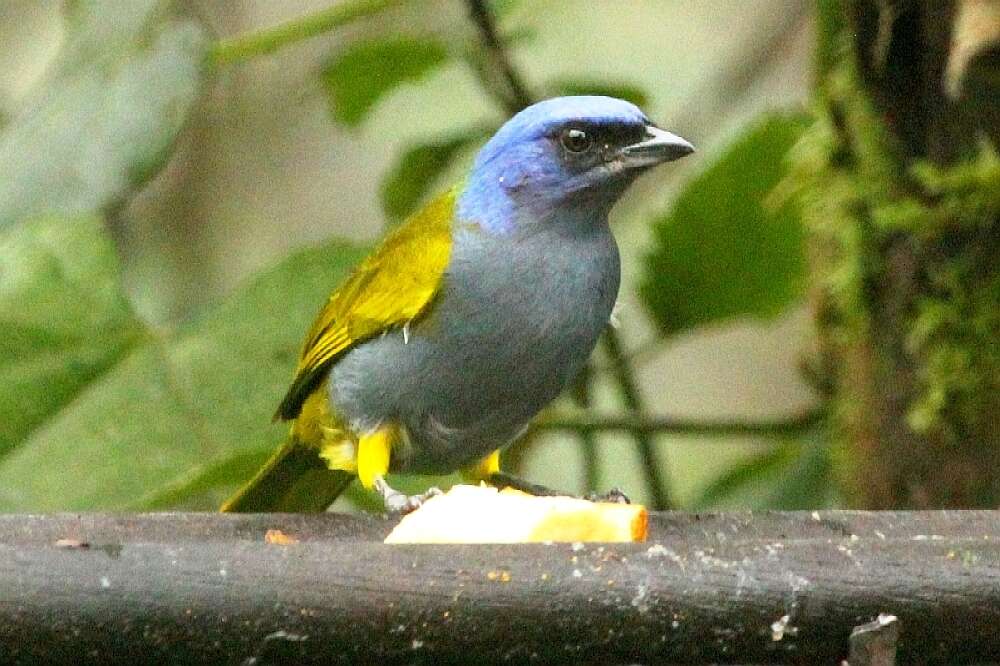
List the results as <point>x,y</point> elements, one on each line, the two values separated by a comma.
<point>576,140</point>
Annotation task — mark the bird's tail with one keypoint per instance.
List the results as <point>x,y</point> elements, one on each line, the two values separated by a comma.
<point>295,479</point>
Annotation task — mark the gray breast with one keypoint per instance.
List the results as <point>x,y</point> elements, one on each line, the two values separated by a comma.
<point>517,318</point>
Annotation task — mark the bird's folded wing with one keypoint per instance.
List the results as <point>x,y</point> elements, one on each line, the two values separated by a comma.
<point>390,288</point>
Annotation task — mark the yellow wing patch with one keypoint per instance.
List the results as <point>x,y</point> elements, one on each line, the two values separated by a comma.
<point>391,288</point>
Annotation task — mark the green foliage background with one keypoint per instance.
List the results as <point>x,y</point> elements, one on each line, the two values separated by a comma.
<point>102,410</point>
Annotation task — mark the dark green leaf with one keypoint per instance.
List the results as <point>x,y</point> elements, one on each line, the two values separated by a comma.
<point>360,76</point>
<point>723,252</point>
<point>160,425</point>
<point>736,483</point>
<point>626,91</point>
<point>418,171</point>
<point>63,319</point>
<point>107,115</point>
<point>794,474</point>
<point>808,483</point>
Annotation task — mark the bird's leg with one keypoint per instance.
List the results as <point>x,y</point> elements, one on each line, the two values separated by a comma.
<point>488,470</point>
<point>374,452</point>
<point>401,503</point>
<point>503,480</point>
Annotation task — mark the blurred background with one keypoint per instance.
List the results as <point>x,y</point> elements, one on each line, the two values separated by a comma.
<point>182,184</point>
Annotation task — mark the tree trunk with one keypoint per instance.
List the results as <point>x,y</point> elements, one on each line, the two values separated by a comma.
<point>900,184</point>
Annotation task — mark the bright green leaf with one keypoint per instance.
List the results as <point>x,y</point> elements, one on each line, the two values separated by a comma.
<point>161,425</point>
<point>418,170</point>
<point>105,119</point>
<point>360,76</point>
<point>724,251</point>
<point>626,91</point>
<point>63,319</point>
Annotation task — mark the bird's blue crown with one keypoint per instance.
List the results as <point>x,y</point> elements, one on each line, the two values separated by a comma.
<point>548,116</point>
<point>524,172</point>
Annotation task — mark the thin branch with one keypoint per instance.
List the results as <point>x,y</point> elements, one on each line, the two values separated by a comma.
<point>519,96</point>
<point>271,39</point>
<point>638,423</point>
<point>588,439</point>
<point>653,466</point>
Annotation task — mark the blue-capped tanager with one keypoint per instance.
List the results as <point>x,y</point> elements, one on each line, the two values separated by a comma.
<point>470,317</point>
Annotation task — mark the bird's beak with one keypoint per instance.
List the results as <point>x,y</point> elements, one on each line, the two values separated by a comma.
<point>657,146</point>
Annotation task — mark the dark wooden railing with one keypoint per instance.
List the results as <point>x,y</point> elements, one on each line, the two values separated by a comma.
<point>706,588</point>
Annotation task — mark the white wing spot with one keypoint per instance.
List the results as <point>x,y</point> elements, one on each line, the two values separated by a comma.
<point>614,320</point>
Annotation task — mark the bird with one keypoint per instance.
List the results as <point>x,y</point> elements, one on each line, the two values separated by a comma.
<point>469,318</point>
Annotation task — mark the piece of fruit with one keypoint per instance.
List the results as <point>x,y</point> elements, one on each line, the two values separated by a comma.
<point>480,514</point>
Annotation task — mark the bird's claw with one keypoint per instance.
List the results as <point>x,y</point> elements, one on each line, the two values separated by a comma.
<point>614,496</point>
<point>399,504</point>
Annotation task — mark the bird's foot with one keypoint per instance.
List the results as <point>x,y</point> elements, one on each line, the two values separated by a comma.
<point>400,504</point>
<point>502,480</point>
<point>614,496</point>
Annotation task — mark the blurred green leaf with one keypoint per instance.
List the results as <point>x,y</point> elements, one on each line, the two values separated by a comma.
<point>520,36</point>
<point>808,483</point>
<point>269,40</point>
<point>626,91</point>
<point>63,319</point>
<point>176,413</point>
<point>206,486</point>
<point>108,114</point>
<point>418,170</point>
<point>758,470</point>
<point>724,252</point>
<point>794,474</point>
<point>504,8</point>
<point>359,77</point>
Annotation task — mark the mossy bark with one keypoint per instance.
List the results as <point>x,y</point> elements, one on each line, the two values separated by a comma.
<point>901,191</point>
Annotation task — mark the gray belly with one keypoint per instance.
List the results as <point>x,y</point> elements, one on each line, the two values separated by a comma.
<point>516,320</point>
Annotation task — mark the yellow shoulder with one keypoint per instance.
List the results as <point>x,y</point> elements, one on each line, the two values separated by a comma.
<point>392,286</point>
